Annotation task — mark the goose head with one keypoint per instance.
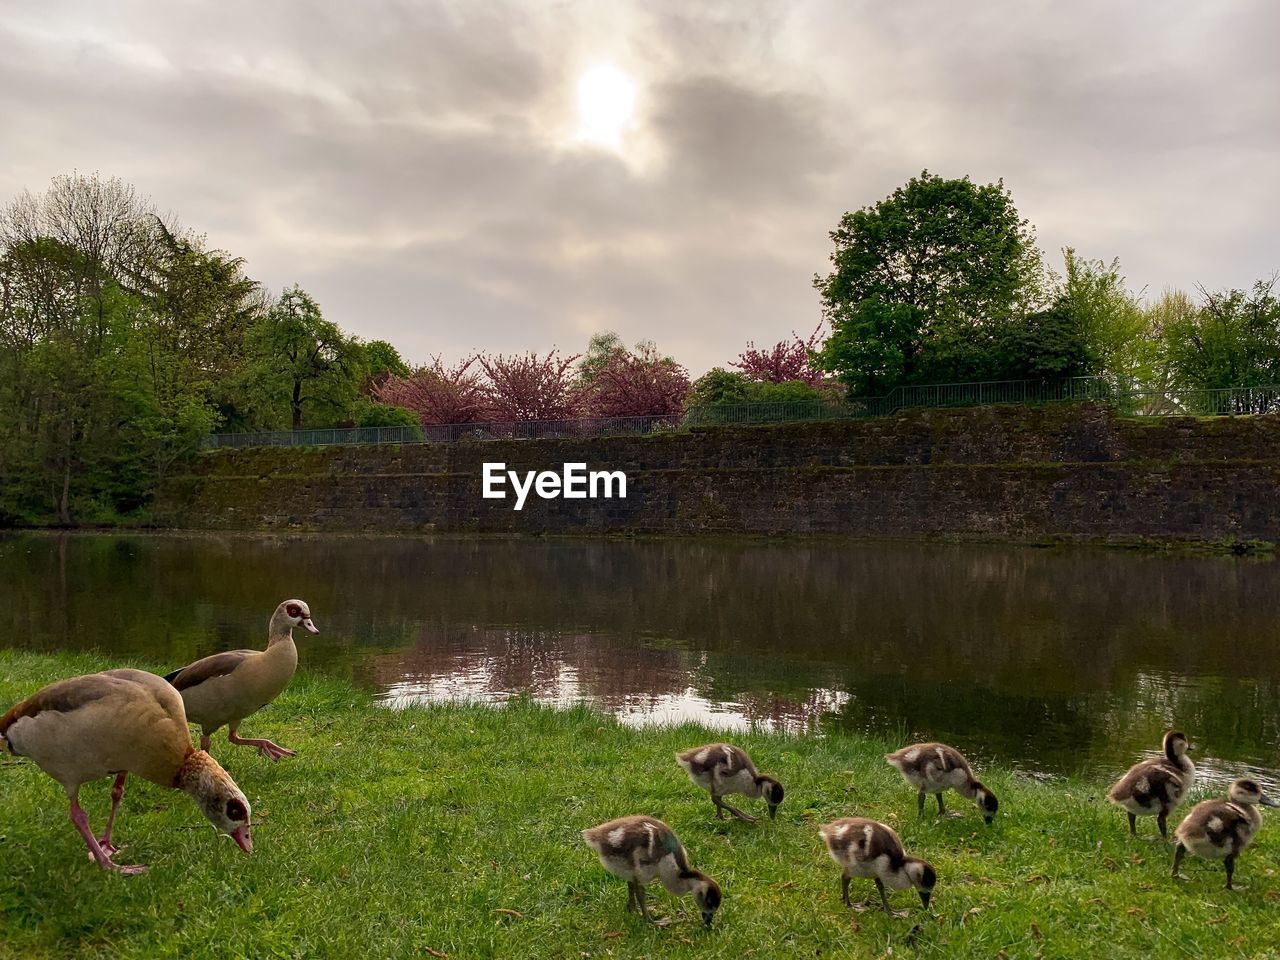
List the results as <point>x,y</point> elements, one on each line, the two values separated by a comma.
<point>295,613</point>
<point>923,877</point>
<point>1176,745</point>
<point>1249,793</point>
<point>772,792</point>
<point>218,797</point>
<point>707,895</point>
<point>987,803</point>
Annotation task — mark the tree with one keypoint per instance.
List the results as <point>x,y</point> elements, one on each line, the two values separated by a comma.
<point>200,307</point>
<point>304,363</point>
<point>600,350</point>
<point>529,387</point>
<point>786,360</point>
<point>381,361</point>
<point>921,279</point>
<point>637,384</point>
<point>1233,340</point>
<point>439,394</point>
<point>1046,345</point>
<point>1110,319</point>
<point>72,425</point>
<point>719,386</point>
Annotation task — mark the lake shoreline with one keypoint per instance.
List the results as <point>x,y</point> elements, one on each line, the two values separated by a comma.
<point>453,830</point>
<point>1261,549</point>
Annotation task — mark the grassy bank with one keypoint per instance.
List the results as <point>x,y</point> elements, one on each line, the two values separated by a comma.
<point>454,830</point>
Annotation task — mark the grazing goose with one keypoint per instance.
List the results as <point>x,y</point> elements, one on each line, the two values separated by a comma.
<point>867,848</point>
<point>1156,786</point>
<point>223,689</point>
<point>638,849</point>
<point>121,722</point>
<point>722,769</point>
<point>1221,829</point>
<point>935,768</point>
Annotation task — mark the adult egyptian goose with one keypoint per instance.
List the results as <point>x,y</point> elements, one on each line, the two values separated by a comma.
<point>223,689</point>
<point>722,769</point>
<point>867,848</point>
<point>121,722</point>
<point>638,849</point>
<point>1221,829</point>
<point>1156,786</point>
<point>935,768</point>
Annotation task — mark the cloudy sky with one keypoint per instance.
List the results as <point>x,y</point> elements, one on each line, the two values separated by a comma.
<point>461,175</point>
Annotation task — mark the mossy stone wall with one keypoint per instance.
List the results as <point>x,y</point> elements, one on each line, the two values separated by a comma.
<point>1055,472</point>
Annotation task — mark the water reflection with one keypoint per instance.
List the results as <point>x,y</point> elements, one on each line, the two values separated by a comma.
<point>1055,661</point>
<point>660,684</point>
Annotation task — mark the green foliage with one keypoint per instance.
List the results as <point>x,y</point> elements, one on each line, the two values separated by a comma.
<point>601,349</point>
<point>101,388</point>
<point>718,395</point>
<point>921,281</point>
<point>1233,340</point>
<point>123,342</point>
<point>305,371</point>
<point>720,386</point>
<point>1045,345</point>
<point>386,415</point>
<point>381,360</point>
<point>1111,323</point>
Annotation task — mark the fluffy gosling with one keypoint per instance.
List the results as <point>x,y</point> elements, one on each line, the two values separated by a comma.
<point>1156,787</point>
<point>1221,829</point>
<point>722,769</point>
<point>640,849</point>
<point>867,848</point>
<point>935,768</point>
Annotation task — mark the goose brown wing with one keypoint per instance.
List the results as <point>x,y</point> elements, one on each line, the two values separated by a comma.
<point>723,759</point>
<point>1148,783</point>
<point>218,665</point>
<point>60,697</point>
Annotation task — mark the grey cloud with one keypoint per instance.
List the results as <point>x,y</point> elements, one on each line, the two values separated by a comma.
<point>406,161</point>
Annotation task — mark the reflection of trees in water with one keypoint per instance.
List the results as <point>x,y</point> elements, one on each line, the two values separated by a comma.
<point>660,679</point>
<point>1062,650</point>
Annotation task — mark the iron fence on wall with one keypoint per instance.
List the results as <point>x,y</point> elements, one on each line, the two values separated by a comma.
<point>1129,402</point>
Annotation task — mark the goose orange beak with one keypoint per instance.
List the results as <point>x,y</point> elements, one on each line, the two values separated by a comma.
<point>241,836</point>
<point>309,626</point>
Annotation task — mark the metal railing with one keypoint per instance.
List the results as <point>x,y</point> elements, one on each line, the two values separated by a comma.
<point>1128,402</point>
<point>450,432</point>
<point>1224,402</point>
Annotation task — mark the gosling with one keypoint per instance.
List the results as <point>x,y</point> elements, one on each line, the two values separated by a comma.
<point>1156,786</point>
<point>1221,829</point>
<point>867,848</point>
<point>722,769</point>
<point>935,768</point>
<point>638,849</point>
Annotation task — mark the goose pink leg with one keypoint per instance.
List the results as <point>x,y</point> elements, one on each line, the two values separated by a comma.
<point>117,794</point>
<point>81,820</point>
<point>272,751</point>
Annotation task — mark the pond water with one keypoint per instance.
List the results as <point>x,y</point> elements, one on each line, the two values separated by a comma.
<point>1054,661</point>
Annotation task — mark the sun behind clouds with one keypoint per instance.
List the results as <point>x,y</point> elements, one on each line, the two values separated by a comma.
<point>606,105</point>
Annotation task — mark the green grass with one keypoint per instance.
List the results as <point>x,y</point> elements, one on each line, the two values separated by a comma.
<point>455,830</point>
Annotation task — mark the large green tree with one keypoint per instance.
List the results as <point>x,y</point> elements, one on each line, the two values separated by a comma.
<point>303,364</point>
<point>1232,340</point>
<point>923,281</point>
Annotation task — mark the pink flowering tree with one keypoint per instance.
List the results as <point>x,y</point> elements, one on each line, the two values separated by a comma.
<point>529,387</point>
<point>439,394</point>
<point>638,384</point>
<point>784,361</point>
